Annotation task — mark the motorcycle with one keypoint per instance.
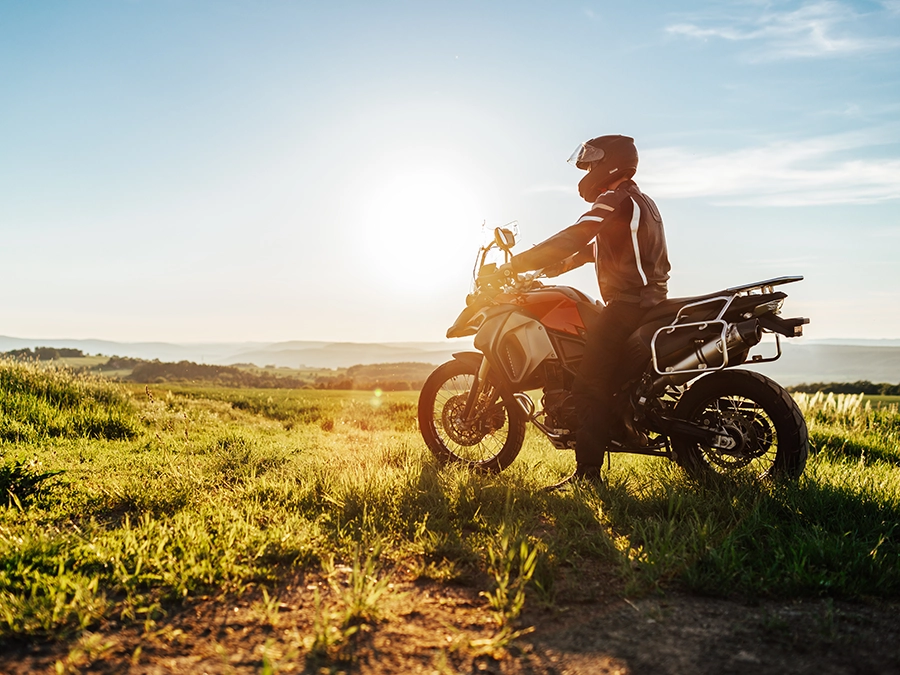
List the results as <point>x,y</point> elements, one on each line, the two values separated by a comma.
<point>683,398</point>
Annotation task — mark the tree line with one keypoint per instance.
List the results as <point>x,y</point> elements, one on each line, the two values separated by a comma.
<point>44,353</point>
<point>384,376</point>
<point>405,376</point>
<point>859,387</point>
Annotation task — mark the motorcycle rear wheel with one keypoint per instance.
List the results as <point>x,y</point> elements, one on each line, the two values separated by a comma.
<point>770,433</point>
<point>488,442</point>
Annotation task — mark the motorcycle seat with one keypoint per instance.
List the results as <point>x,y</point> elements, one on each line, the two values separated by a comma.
<point>667,309</point>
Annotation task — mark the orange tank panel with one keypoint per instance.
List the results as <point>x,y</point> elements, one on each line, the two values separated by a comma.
<point>553,309</point>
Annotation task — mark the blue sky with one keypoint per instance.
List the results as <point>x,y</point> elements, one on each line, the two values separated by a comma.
<point>233,170</point>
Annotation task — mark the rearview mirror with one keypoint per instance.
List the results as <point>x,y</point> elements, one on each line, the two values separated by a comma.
<point>505,238</point>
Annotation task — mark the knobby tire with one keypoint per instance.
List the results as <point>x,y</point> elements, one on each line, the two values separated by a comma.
<point>759,406</point>
<point>491,444</point>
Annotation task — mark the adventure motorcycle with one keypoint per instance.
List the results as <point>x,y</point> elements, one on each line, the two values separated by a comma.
<point>682,400</point>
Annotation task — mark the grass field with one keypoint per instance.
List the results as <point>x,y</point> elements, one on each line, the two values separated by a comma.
<point>120,504</point>
<point>882,400</point>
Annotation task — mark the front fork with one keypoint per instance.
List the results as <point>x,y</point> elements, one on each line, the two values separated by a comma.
<point>479,387</point>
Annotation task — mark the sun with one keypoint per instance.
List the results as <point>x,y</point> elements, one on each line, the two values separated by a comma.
<point>419,228</point>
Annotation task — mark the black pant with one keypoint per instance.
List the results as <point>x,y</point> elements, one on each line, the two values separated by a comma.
<point>596,381</point>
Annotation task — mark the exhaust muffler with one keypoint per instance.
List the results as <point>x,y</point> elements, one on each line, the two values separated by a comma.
<point>712,355</point>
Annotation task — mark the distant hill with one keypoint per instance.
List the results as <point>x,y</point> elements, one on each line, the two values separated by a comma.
<point>344,354</point>
<point>815,362</point>
<point>212,352</point>
<point>857,342</point>
<point>291,354</point>
<point>803,362</point>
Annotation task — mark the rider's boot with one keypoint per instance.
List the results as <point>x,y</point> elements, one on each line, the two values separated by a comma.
<point>591,443</point>
<point>586,474</point>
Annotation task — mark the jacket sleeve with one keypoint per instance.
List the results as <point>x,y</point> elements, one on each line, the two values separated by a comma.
<point>571,241</point>
<point>585,255</point>
<point>555,249</point>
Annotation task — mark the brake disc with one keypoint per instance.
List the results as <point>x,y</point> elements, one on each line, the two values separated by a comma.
<point>455,425</point>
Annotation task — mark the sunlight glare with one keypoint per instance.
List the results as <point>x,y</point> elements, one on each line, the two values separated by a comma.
<point>420,229</point>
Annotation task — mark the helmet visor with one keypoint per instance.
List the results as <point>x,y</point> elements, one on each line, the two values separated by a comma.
<point>585,154</point>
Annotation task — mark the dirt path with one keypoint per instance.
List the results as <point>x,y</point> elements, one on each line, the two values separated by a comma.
<point>687,634</point>
<point>436,628</point>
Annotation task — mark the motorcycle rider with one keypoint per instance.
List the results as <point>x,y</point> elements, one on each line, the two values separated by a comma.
<point>622,233</point>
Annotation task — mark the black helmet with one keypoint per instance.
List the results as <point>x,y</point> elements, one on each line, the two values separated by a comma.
<point>606,159</point>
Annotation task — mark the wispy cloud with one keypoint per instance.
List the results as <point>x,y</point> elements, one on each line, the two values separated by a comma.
<point>826,170</point>
<point>892,6</point>
<point>818,29</point>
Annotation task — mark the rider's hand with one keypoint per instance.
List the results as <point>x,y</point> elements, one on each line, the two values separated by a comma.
<point>554,270</point>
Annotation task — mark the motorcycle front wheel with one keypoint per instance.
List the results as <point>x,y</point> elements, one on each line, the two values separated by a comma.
<point>771,439</point>
<point>484,434</point>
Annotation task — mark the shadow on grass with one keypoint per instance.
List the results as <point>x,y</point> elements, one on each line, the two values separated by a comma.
<point>738,537</point>
<point>807,539</point>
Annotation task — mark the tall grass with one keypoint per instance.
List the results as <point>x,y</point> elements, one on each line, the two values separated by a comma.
<point>847,426</point>
<point>212,490</point>
<point>39,401</point>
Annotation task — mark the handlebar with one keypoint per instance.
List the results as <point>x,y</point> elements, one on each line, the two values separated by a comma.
<point>517,281</point>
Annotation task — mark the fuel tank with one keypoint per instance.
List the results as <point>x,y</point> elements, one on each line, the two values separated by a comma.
<point>559,308</point>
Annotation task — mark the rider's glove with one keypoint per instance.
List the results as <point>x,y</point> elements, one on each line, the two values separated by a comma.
<point>555,270</point>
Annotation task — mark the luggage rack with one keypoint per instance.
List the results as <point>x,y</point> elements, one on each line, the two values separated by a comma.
<point>726,297</point>
<point>764,286</point>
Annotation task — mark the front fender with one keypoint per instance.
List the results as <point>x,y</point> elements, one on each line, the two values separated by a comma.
<point>470,358</point>
<point>475,360</point>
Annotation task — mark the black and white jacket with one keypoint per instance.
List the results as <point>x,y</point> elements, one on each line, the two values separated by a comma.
<point>623,234</point>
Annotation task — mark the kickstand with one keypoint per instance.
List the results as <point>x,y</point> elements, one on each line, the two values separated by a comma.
<point>608,461</point>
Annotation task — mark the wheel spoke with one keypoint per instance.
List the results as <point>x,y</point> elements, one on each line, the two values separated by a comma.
<point>747,423</point>
<point>479,440</point>
<point>768,436</point>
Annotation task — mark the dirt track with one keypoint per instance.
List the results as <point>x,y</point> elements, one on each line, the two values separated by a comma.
<point>433,628</point>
